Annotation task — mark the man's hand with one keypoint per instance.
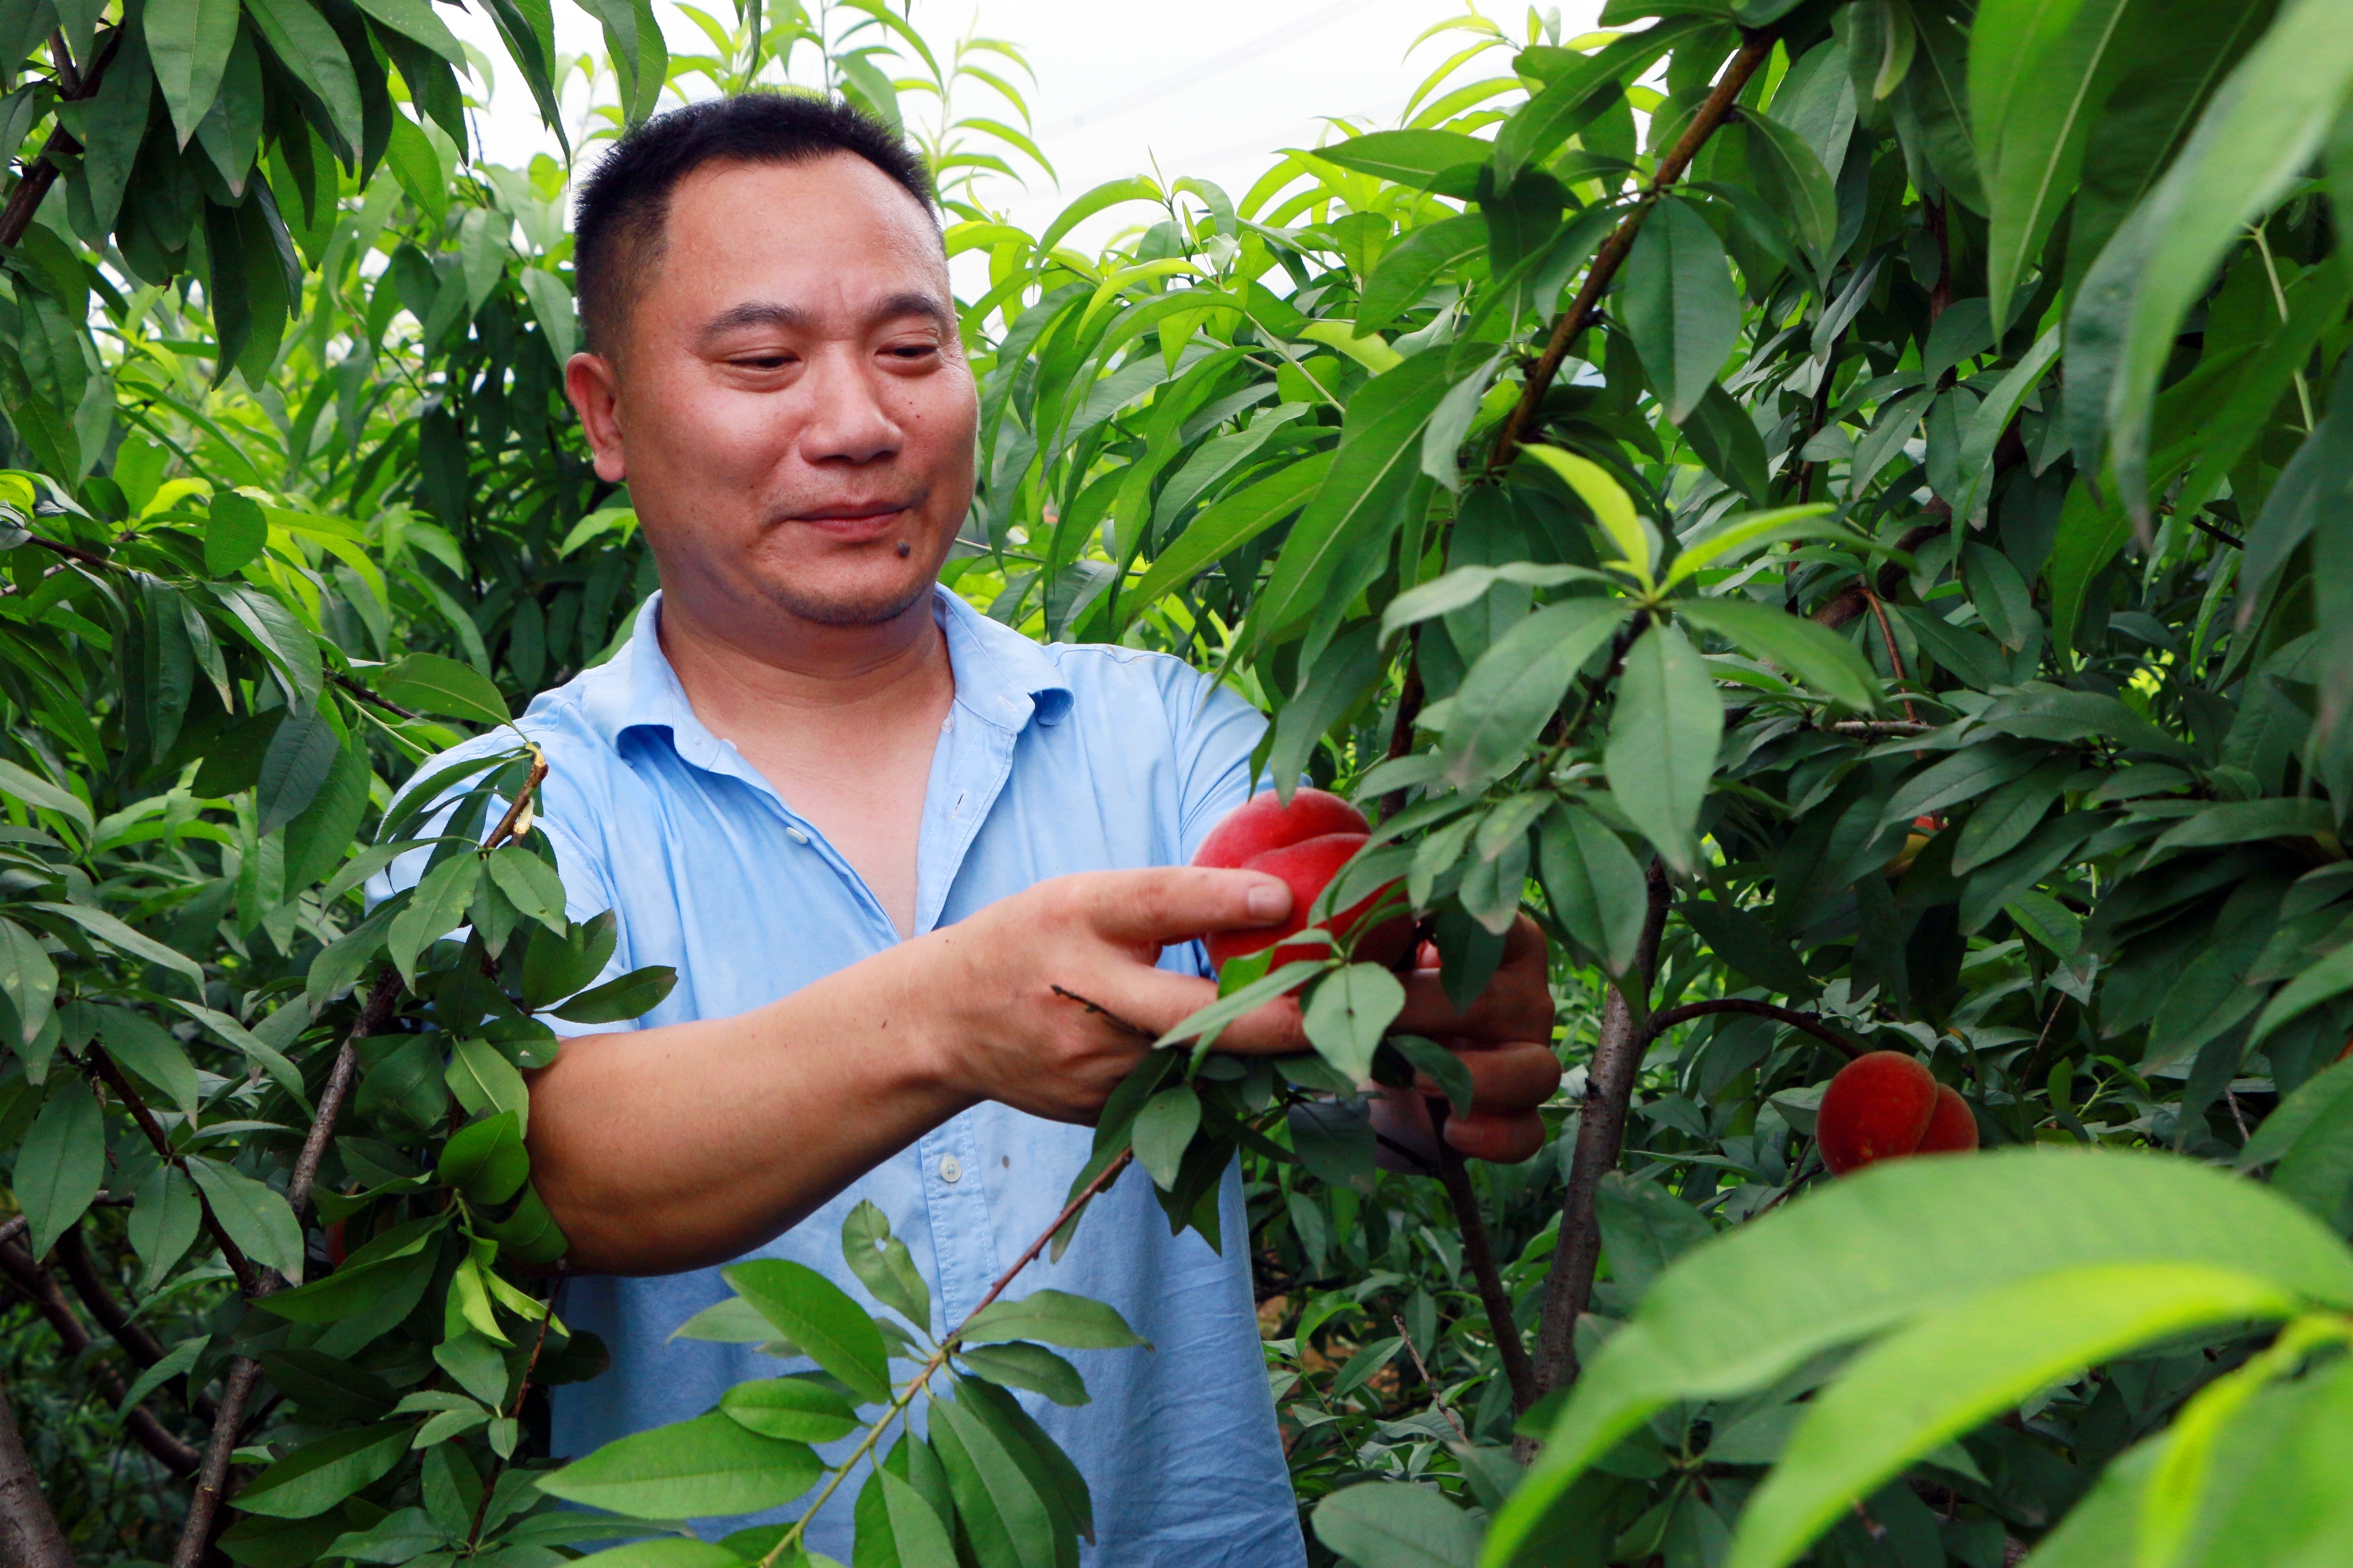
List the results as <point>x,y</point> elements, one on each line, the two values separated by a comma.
<point>1505,1041</point>
<point>1010,979</point>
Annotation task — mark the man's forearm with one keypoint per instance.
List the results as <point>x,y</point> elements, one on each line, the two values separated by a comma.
<point>690,1145</point>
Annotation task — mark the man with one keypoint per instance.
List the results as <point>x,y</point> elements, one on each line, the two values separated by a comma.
<point>873,830</point>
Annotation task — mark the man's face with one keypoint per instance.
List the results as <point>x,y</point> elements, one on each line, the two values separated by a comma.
<point>789,402</point>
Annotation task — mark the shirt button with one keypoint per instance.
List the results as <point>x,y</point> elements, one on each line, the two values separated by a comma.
<point>951,1169</point>
<point>796,835</point>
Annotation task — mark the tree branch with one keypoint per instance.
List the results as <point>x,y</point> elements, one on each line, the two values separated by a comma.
<point>237,1390</point>
<point>1480,1254</point>
<point>100,1065</point>
<point>40,1287</point>
<point>34,183</point>
<point>1601,1132</point>
<point>1612,254</point>
<point>30,1536</point>
<point>1809,1023</point>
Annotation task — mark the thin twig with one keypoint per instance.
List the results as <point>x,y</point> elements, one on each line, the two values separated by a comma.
<point>1752,53</point>
<point>1501,1320</point>
<point>1809,1023</point>
<point>923,1375</point>
<point>1895,659</point>
<point>522,1391</point>
<point>2225,535</point>
<point>1868,727</point>
<point>376,698</point>
<point>99,1064</point>
<point>34,183</point>
<point>1436,1398</point>
<point>521,804</point>
<point>1138,1030</point>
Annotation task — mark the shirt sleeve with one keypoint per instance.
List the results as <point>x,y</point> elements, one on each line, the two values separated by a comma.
<point>1216,732</point>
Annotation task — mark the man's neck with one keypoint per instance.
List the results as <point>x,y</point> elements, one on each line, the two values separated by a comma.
<point>785,673</point>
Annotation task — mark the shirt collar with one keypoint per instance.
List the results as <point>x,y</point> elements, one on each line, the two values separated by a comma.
<point>1002,678</point>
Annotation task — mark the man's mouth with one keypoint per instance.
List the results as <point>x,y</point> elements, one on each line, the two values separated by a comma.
<point>863,519</point>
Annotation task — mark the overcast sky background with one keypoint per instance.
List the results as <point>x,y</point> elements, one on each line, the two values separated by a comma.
<point>1209,88</point>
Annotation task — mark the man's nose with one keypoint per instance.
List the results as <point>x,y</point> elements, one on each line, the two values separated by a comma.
<point>847,422</point>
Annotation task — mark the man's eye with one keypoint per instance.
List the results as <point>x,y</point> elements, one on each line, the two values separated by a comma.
<point>765,362</point>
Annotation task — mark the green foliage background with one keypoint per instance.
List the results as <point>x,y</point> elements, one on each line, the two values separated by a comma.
<point>1835,511</point>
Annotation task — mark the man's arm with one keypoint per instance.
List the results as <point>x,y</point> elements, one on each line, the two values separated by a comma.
<point>689,1144</point>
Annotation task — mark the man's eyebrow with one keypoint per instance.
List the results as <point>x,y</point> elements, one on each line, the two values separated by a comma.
<point>752,313</point>
<point>768,314</point>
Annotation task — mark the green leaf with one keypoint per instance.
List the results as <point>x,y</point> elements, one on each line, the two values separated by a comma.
<point>1680,306</point>
<point>164,1219</point>
<point>1662,741</point>
<point>1163,1129</point>
<point>2239,821</point>
<point>690,1469</point>
<point>790,1407</point>
<point>188,43</point>
<point>307,46</point>
<point>1953,1369</point>
<point>319,1475</point>
<point>1027,1366</point>
<point>637,992</point>
<point>2255,137</point>
<point>1054,1317</point>
<point>442,687</point>
<point>815,1314</point>
<point>1749,945</point>
<point>123,940</point>
<point>1964,775</point>
<point>1985,425</point>
<point>920,1538</point>
<point>147,1051</point>
<point>485,1081</point>
<point>300,754</point>
<point>1380,454</point>
<point>1593,884</point>
<point>1347,1014</point>
<point>1736,538</point>
<point>1407,270</point>
<point>1516,685</point>
<point>39,793</point>
<point>60,1164</point>
<point>2003,819</point>
<point>2280,1130</point>
<point>1135,188</point>
<point>235,535</point>
<point>256,1217</point>
<point>529,883</point>
<point>1231,522</point>
<point>415,20</point>
<point>884,1265</point>
<point>1612,508</point>
<point>1781,156</point>
<point>486,1160</point>
<point>1815,655</point>
<point>2035,85</point>
<point>1407,157</point>
<point>29,979</point>
<point>1388,1524</point>
<point>1902,1238</point>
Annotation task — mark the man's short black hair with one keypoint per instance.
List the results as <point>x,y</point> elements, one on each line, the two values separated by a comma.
<point>617,217</point>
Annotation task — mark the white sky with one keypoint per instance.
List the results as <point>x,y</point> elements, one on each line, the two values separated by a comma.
<point>1209,88</point>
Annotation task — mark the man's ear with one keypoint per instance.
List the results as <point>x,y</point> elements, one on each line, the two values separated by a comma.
<point>595,393</point>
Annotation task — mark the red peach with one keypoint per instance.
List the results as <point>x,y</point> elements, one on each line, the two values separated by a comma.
<point>1952,1129</point>
<point>1879,1106</point>
<point>1308,867</point>
<point>1264,823</point>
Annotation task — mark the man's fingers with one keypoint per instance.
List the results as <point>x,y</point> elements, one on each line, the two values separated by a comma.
<point>1515,1077</point>
<point>1173,903</point>
<point>1157,1001</point>
<point>1505,1139</point>
<point>1515,1006</point>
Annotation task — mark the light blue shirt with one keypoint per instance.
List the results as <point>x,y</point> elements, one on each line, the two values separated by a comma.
<point>1053,759</point>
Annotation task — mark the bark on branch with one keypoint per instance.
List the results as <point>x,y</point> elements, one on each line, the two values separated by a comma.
<point>1600,1133</point>
<point>1754,50</point>
<point>26,199</point>
<point>40,1287</point>
<point>30,1535</point>
<point>1480,1254</point>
